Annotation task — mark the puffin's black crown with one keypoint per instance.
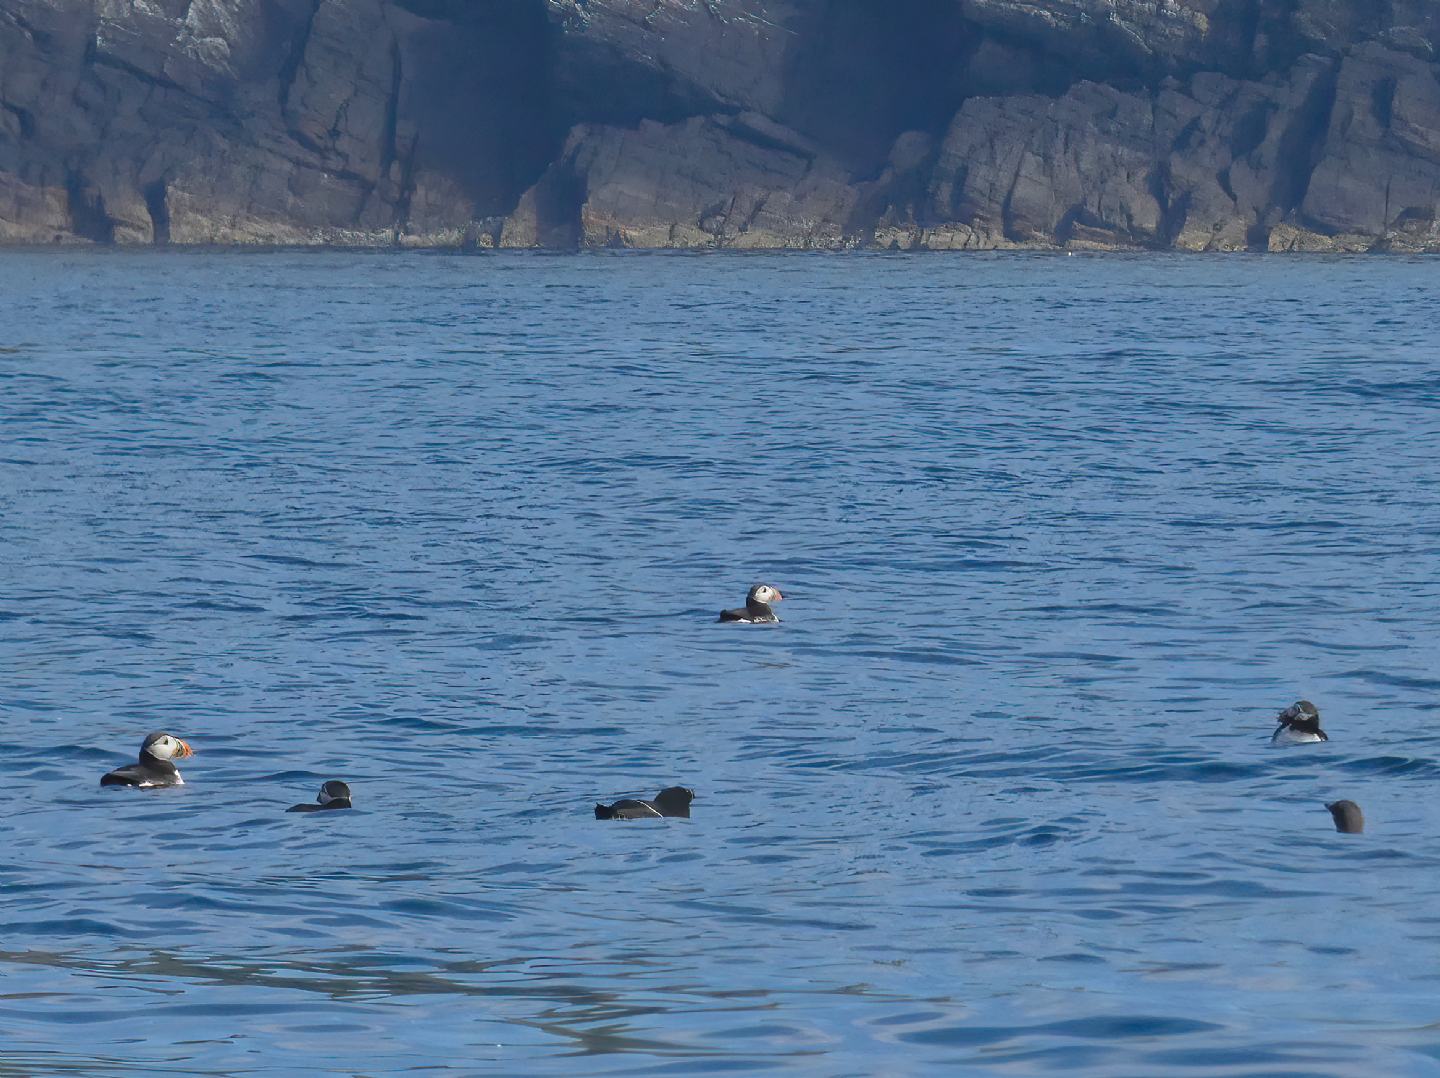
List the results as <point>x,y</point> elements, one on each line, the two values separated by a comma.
<point>677,797</point>
<point>1301,715</point>
<point>334,790</point>
<point>1348,818</point>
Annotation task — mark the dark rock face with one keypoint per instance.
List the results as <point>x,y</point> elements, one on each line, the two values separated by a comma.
<point>1197,124</point>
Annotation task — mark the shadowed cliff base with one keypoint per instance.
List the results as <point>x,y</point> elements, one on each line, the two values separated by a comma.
<point>1308,125</point>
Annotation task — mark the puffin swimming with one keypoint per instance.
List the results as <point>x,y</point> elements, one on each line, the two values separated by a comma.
<point>1299,725</point>
<point>671,801</point>
<point>333,795</point>
<point>757,607</point>
<point>1348,818</point>
<point>154,767</point>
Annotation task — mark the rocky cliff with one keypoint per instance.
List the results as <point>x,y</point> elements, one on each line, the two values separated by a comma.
<point>1197,124</point>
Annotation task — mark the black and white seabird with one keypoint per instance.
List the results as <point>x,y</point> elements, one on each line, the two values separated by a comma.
<point>1348,817</point>
<point>1299,725</point>
<point>757,606</point>
<point>333,795</point>
<point>671,801</point>
<point>154,767</point>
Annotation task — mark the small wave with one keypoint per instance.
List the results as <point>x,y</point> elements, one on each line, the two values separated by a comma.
<point>1392,765</point>
<point>1108,1028</point>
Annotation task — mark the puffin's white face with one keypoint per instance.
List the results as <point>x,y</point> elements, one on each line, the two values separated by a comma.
<point>766,594</point>
<point>165,747</point>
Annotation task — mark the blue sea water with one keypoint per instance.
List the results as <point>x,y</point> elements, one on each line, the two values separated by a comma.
<point>1058,536</point>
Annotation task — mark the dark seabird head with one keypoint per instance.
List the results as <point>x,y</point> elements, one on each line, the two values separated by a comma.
<point>1348,817</point>
<point>1301,713</point>
<point>165,747</point>
<point>333,791</point>
<point>674,801</point>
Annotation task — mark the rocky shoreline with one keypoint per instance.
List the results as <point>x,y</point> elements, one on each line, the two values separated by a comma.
<point>1197,125</point>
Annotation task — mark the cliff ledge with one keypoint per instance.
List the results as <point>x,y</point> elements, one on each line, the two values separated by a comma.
<point>1307,125</point>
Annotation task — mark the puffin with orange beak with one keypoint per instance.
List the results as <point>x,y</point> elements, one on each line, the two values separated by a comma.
<point>154,767</point>
<point>757,606</point>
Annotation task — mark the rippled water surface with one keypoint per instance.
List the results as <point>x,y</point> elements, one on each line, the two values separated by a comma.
<point>1058,537</point>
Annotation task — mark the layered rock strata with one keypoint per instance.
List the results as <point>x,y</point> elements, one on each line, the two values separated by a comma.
<point>1304,125</point>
